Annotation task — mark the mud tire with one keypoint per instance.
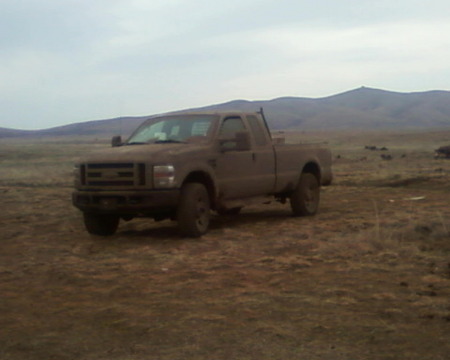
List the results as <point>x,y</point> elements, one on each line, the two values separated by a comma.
<point>193,213</point>
<point>305,198</point>
<point>101,224</point>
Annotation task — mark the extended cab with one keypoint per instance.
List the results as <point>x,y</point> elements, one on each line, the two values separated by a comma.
<point>183,166</point>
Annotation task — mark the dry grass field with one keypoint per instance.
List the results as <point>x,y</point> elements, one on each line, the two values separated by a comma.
<point>367,278</point>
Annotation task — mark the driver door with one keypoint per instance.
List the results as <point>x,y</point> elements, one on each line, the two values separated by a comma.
<point>234,168</point>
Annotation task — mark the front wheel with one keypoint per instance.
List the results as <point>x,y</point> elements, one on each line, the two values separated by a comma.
<point>100,224</point>
<point>305,198</point>
<point>193,213</point>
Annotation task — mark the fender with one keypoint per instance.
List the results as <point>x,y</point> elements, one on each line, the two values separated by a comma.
<point>200,172</point>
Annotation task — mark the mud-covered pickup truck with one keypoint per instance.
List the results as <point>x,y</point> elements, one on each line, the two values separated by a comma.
<point>184,166</point>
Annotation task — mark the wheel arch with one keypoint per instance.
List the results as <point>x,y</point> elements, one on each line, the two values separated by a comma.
<point>205,179</point>
<point>312,167</point>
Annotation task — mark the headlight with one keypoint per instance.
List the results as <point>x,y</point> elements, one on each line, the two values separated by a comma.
<point>163,176</point>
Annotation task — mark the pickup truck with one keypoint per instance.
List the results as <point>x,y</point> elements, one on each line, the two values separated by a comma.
<point>183,166</point>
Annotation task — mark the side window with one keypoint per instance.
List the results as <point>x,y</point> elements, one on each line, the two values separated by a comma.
<point>200,128</point>
<point>231,126</point>
<point>259,133</point>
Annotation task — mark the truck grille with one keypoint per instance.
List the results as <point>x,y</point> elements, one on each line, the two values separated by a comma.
<point>113,174</point>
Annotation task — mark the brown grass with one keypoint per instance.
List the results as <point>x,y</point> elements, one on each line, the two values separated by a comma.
<point>367,278</point>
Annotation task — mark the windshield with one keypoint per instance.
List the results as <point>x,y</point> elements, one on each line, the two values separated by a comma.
<point>173,129</point>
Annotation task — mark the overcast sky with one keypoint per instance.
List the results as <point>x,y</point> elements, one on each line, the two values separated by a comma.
<point>65,61</point>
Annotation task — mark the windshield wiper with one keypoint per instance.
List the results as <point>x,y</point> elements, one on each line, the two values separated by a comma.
<point>169,141</point>
<point>136,143</point>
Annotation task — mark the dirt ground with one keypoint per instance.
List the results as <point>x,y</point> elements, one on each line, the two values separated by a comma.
<point>368,277</point>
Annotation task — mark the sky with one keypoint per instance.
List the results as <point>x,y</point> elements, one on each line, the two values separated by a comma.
<point>69,61</point>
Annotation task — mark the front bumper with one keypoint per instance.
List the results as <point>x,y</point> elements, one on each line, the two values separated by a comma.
<point>126,202</point>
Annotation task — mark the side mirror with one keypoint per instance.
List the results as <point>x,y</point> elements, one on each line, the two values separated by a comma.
<point>243,142</point>
<point>116,141</point>
<point>240,142</point>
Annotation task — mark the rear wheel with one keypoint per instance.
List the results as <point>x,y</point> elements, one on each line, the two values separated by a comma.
<point>193,213</point>
<point>305,198</point>
<point>101,224</point>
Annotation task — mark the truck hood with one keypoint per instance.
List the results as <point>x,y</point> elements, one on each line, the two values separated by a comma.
<point>149,153</point>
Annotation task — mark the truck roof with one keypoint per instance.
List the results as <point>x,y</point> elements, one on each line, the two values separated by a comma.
<point>208,112</point>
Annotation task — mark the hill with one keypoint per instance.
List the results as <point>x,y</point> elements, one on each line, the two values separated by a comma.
<point>363,108</point>
<point>109,127</point>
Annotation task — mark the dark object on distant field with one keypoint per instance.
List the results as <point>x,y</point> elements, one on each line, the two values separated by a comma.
<point>374,148</point>
<point>386,157</point>
<point>443,151</point>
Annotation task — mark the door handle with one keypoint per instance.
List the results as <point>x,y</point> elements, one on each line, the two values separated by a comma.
<point>253,156</point>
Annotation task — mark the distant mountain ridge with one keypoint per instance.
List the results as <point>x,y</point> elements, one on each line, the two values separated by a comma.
<point>362,108</point>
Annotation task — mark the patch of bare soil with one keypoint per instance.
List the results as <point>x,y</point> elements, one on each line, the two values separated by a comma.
<point>367,278</point>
